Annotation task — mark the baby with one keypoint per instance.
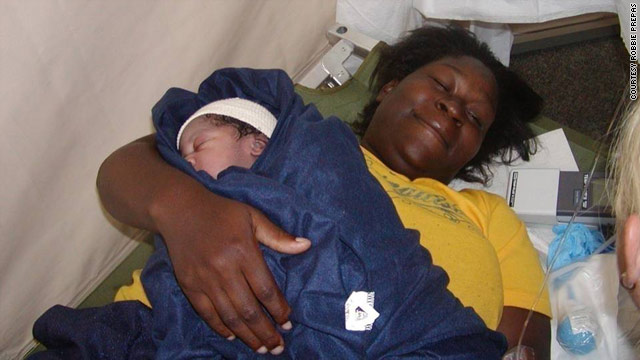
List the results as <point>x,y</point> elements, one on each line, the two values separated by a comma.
<point>224,133</point>
<point>221,134</point>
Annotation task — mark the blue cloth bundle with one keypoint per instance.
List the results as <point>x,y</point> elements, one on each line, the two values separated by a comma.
<point>312,181</point>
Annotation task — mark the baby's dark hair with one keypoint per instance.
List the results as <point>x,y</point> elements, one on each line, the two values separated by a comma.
<point>518,103</point>
<point>243,128</point>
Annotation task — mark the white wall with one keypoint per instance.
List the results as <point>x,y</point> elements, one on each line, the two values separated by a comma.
<point>78,79</point>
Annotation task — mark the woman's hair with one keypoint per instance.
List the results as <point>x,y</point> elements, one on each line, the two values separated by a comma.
<point>518,104</point>
<point>625,164</point>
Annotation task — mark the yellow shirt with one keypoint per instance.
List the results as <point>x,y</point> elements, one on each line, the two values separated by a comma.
<point>475,237</point>
<point>135,291</point>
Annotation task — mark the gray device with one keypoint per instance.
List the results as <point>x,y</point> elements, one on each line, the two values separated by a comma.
<point>548,196</point>
<point>594,205</point>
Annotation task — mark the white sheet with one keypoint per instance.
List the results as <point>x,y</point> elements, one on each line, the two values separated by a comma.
<point>523,11</point>
<point>389,20</point>
<point>380,19</point>
<point>79,78</point>
<point>511,11</point>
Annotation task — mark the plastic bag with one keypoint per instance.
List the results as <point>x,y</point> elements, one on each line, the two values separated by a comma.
<point>584,301</point>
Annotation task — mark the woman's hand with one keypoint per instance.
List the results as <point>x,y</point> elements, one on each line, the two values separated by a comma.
<point>628,249</point>
<point>213,245</point>
<point>212,242</point>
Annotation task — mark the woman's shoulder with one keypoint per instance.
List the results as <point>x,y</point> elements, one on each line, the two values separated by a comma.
<point>482,195</point>
<point>486,202</point>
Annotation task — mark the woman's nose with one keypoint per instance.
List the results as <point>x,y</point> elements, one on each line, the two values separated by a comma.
<point>452,107</point>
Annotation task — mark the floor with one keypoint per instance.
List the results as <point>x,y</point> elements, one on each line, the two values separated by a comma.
<point>581,83</point>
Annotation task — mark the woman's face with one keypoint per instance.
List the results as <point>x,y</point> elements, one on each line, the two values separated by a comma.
<point>432,123</point>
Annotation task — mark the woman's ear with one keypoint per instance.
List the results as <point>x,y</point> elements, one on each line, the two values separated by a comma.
<point>386,89</point>
<point>258,143</point>
<point>629,257</point>
<point>631,248</point>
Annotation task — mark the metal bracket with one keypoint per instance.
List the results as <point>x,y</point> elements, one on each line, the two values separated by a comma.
<point>330,72</point>
<point>362,43</point>
<point>332,61</point>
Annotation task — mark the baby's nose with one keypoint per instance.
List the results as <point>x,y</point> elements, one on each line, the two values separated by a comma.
<point>191,160</point>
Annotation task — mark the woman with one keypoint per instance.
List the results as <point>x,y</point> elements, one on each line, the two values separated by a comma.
<point>626,189</point>
<point>439,95</point>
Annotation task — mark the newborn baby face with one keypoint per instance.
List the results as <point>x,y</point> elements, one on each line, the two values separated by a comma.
<point>214,147</point>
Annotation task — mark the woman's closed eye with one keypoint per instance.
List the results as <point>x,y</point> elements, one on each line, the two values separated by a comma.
<point>440,84</point>
<point>475,119</point>
<point>471,115</point>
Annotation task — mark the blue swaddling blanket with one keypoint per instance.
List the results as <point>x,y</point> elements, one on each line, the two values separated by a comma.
<point>312,181</point>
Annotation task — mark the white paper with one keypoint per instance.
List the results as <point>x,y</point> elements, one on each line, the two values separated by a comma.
<point>359,314</point>
<point>553,153</point>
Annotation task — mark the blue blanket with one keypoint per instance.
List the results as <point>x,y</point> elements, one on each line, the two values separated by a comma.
<point>312,181</point>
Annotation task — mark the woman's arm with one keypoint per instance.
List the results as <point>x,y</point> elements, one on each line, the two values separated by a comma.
<point>212,242</point>
<point>522,278</point>
<point>537,336</point>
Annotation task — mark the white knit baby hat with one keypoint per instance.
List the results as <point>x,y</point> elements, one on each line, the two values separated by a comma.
<point>244,110</point>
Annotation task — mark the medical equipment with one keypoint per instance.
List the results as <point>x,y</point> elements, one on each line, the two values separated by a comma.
<point>548,196</point>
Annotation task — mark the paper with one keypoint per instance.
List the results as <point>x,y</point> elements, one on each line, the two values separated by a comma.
<point>553,153</point>
<point>359,313</point>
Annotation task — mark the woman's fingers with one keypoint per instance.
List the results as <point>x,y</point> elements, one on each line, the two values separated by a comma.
<point>247,319</point>
<point>237,304</point>
<point>275,238</point>
<point>262,284</point>
<point>233,319</point>
<point>235,313</point>
<point>208,313</point>
<point>258,274</point>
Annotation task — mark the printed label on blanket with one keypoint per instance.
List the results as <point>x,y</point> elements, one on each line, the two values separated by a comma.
<point>359,313</point>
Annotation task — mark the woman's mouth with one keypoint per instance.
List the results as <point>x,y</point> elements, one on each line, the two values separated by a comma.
<point>433,128</point>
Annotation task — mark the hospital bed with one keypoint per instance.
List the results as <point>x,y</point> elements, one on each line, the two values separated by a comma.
<point>95,76</point>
